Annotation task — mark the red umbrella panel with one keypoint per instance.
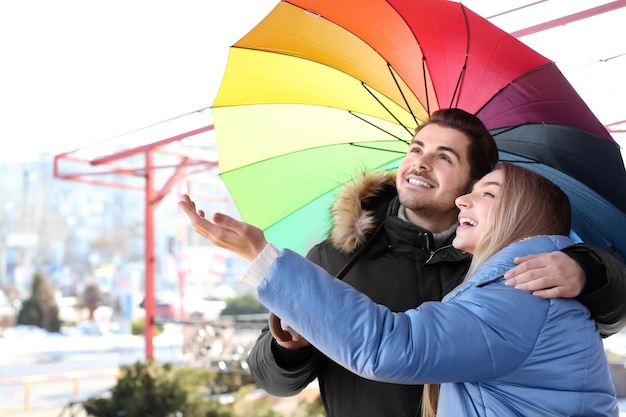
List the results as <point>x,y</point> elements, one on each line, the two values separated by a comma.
<point>321,88</point>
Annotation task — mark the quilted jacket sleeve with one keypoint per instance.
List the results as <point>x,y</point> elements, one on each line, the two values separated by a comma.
<point>418,346</point>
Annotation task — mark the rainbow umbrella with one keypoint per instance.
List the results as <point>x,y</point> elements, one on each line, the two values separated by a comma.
<point>321,89</point>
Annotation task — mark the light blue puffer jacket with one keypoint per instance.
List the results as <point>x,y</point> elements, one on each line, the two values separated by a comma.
<point>498,351</point>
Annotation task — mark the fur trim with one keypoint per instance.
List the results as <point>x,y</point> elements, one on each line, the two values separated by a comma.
<point>351,222</point>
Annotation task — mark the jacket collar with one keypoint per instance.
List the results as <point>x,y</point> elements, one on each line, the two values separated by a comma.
<point>495,267</point>
<point>360,206</point>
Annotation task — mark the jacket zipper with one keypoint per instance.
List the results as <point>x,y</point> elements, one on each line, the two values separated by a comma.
<point>432,252</point>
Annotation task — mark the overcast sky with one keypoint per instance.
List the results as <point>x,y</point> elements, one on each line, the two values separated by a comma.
<point>77,72</point>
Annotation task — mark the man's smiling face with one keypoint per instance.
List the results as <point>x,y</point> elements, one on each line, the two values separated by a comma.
<point>433,174</point>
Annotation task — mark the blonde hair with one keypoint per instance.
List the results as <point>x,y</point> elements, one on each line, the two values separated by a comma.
<point>430,400</point>
<point>528,205</point>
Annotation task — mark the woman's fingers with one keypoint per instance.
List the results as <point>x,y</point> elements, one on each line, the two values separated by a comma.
<point>224,231</point>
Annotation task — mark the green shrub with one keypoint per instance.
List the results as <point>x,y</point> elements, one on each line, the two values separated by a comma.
<point>243,304</point>
<point>137,326</point>
<point>152,389</point>
<point>40,309</point>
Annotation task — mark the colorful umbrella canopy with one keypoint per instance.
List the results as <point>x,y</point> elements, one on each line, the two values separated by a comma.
<point>321,89</point>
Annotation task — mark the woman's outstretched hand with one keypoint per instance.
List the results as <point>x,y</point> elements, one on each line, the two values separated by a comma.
<point>224,231</point>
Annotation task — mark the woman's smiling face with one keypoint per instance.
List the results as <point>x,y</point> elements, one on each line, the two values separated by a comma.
<point>475,208</point>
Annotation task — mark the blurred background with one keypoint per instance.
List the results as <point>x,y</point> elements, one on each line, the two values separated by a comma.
<point>87,91</point>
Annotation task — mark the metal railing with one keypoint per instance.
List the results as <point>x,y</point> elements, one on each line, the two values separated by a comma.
<point>75,377</point>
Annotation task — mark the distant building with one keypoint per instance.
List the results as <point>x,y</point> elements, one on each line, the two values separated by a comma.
<point>68,229</point>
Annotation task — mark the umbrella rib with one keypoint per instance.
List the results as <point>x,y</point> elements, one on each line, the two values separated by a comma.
<point>525,160</point>
<point>378,127</point>
<point>460,79</point>
<point>551,63</point>
<point>522,160</point>
<point>508,129</point>
<point>385,107</point>
<point>395,80</point>
<point>425,85</point>
<point>358,145</point>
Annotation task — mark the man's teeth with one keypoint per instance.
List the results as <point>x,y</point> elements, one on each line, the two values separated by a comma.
<point>467,221</point>
<point>414,181</point>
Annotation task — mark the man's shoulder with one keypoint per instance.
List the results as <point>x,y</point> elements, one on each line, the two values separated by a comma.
<point>361,205</point>
<point>325,253</point>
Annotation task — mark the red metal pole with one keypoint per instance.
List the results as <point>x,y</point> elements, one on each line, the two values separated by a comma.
<point>149,257</point>
<point>189,159</point>
<point>574,17</point>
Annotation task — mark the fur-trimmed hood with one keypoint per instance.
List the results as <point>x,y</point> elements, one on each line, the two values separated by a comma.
<point>354,214</point>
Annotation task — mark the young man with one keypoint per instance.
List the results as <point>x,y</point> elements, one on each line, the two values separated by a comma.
<point>405,228</point>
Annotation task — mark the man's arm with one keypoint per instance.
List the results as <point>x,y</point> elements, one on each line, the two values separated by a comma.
<point>279,371</point>
<point>591,274</point>
<point>284,368</point>
<point>604,293</point>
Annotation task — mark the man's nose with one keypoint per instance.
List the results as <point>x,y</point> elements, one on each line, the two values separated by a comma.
<point>422,163</point>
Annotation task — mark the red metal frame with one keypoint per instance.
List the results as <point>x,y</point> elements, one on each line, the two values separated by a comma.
<point>188,164</point>
<point>615,127</point>
<point>563,20</point>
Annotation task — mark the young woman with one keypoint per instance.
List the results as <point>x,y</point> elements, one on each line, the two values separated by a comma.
<point>496,351</point>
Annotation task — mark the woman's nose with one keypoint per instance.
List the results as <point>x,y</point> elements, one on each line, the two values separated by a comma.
<point>461,201</point>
